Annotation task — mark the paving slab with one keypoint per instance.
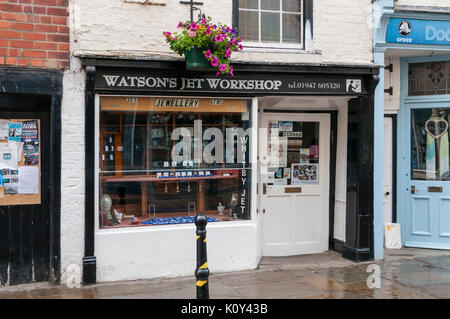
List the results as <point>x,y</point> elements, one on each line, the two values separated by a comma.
<point>404,274</point>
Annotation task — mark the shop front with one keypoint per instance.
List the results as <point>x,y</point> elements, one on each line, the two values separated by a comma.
<point>263,155</point>
<point>415,45</point>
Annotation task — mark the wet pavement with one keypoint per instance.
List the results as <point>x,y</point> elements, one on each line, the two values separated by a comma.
<point>405,273</point>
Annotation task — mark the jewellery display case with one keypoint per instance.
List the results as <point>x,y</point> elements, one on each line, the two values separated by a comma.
<point>167,157</point>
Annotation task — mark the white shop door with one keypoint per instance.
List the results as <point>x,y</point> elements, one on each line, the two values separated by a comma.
<point>294,185</point>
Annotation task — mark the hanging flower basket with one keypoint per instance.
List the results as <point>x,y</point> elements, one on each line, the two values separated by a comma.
<point>196,60</point>
<point>206,46</point>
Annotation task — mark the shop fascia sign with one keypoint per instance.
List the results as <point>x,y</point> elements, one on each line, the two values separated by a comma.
<point>414,31</point>
<point>242,84</point>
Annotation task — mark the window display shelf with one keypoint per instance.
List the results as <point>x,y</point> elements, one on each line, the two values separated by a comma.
<point>150,178</point>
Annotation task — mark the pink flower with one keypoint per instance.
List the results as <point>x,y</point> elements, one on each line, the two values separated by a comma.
<point>194,26</point>
<point>180,24</point>
<point>233,40</point>
<point>219,37</point>
<point>231,71</point>
<point>192,34</point>
<point>241,47</point>
<point>227,53</point>
<point>203,21</point>
<point>214,61</point>
<point>208,30</point>
<point>166,34</point>
<point>222,67</point>
<point>208,54</point>
<point>218,73</point>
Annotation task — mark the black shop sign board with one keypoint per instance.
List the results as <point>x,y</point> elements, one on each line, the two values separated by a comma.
<point>257,84</point>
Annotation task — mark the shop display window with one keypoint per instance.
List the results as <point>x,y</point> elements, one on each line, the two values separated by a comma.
<point>164,160</point>
<point>430,155</point>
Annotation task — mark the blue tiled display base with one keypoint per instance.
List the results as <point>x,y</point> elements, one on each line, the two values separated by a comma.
<point>174,220</point>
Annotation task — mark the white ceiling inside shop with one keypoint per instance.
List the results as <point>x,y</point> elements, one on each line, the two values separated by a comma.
<point>303,102</point>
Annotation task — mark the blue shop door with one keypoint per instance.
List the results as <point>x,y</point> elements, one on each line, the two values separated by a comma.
<point>427,213</point>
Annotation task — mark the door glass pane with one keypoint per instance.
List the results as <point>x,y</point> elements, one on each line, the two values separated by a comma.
<point>249,25</point>
<point>270,4</point>
<point>248,4</point>
<point>292,5</point>
<point>270,27</point>
<point>293,150</point>
<point>292,28</point>
<point>430,144</point>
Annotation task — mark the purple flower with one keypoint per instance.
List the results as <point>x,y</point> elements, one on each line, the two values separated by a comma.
<point>208,30</point>
<point>208,54</point>
<point>214,61</point>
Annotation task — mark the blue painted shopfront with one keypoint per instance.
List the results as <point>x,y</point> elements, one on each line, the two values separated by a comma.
<point>424,159</point>
<point>423,185</point>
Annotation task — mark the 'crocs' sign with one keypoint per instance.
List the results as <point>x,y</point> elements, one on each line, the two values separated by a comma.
<point>414,31</point>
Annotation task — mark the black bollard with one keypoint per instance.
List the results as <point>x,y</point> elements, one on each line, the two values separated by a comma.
<point>202,271</point>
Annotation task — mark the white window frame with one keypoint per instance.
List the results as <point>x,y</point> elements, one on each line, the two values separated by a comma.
<point>252,45</point>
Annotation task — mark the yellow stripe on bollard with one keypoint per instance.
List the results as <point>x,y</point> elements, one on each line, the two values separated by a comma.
<point>201,283</point>
<point>204,240</point>
<point>205,265</point>
<point>198,237</point>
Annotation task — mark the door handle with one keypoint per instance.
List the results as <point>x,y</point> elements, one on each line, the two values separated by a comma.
<point>264,188</point>
<point>413,189</point>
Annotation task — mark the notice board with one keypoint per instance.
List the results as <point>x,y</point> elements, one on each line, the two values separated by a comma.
<point>20,162</point>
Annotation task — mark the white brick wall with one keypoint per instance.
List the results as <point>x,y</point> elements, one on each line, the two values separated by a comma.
<point>72,175</point>
<point>342,29</point>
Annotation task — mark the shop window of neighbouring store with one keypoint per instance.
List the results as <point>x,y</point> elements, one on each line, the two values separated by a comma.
<point>431,78</point>
<point>278,24</point>
<point>163,160</point>
<point>430,144</point>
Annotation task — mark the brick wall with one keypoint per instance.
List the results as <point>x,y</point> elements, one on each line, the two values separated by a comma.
<point>34,33</point>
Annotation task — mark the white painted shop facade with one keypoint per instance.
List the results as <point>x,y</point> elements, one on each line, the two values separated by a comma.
<point>123,40</point>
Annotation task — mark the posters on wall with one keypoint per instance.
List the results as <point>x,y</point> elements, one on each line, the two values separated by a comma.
<point>14,131</point>
<point>305,174</point>
<point>304,155</point>
<point>4,130</point>
<point>19,157</point>
<point>30,140</point>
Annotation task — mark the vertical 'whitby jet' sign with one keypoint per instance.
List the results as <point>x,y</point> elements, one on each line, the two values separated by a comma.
<point>241,84</point>
<point>414,31</point>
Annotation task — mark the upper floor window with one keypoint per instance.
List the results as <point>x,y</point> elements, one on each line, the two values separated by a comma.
<point>430,78</point>
<point>272,23</point>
